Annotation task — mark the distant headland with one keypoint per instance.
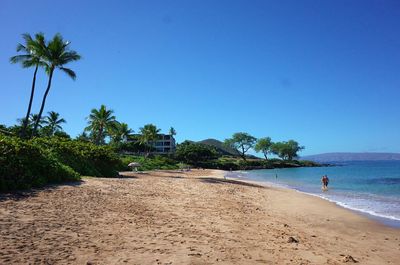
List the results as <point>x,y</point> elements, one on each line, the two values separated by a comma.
<point>347,156</point>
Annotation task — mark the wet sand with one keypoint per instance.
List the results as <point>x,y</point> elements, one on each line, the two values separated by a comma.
<point>197,217</point>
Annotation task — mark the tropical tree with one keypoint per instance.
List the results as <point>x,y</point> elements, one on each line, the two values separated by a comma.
<point>83,137</point>
<point>279,149</point>
<point>31,57</point>
<point>293,149</point>
<point>195,153</point>
<point>263,145</point>
<point>172,131</point>
<point>62,134</point>
<point>121,132</point>
<point>241,142</point>
<point>101,123</point>
<point>27,125</point>
<point>148,135</point>
<point>286,150</point>
<point>56,54</point>
<point>53,123</point>
<point>33,119</point>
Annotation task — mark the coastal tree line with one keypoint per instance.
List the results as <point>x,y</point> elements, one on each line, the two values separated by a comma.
<point>37,150</point>
<point>242,142</point>
<point>38,53</point>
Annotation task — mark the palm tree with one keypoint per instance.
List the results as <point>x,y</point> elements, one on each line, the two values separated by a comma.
<point>101,123</point>
<point>30,58</point>
<point>149,134</point>
<point>34,118</point>
<point>172,131</point>
<point>83,137</point>
<point>53,122</point>
<point>121,132</point>
<point>56,54</point>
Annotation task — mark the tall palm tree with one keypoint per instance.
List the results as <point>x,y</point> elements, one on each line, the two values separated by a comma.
<point>56,54</point>
<point>101,123</point>
<point>31,57</point>
<point>148,135</point>
<point>121,132</point>
<point>53,122</point>
<point>172,131</point>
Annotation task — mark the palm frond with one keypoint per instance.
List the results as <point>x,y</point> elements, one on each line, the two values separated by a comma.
<point>27,37</point>
<point>20,58</point>
<point>69,56</point>
<point>69,72</point>
<point>39,37</point>
<point>21,47</point>
<point>29,63</point>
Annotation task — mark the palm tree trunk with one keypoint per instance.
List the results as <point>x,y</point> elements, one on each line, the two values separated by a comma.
<point>52,129</point>
<point>30,103</point>
<point>43,102</point>
<point>100,135</point>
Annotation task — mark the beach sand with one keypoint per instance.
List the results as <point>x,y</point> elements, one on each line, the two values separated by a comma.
<point>197,217</point>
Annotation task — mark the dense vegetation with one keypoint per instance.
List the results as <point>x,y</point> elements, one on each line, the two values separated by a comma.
<point>39,161</point>
<point>37,151</point>
<point>26,164</point>
<point>242,142</point>
<point>206,156</point>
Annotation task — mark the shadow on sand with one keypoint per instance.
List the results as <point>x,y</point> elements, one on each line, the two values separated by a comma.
<point>230,181</point>
<point>129,174</point>
<point>24,194</point>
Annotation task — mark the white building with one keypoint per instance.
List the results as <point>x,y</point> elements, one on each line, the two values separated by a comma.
<point>165,144</point>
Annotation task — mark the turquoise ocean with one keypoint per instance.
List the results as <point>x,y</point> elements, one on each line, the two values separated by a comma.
<point>368,187</point>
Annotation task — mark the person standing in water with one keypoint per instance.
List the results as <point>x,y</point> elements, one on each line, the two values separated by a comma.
<point>325,182</point>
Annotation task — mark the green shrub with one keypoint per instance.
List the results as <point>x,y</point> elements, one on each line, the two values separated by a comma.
<point>85,158</point>
<point>25,164</point>
<point>195,153</point>
<point>150,163</point>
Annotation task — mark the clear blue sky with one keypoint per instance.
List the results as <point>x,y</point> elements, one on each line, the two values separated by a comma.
<point>325,73</point>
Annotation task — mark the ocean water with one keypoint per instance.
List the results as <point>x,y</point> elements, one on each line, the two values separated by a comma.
<point>369,187</point>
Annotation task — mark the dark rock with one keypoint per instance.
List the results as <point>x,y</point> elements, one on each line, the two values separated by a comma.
<point>292,240</point>
<point>349,258</point>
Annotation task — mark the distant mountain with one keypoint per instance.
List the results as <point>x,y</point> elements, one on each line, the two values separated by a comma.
<point>225,150</point>
<point>339,157</point>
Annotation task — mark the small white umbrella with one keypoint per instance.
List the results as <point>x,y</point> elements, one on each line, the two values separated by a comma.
<point>134,165</point>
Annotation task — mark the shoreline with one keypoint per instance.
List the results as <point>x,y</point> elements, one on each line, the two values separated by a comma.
<point>195,217</point>
<point>381,219</point>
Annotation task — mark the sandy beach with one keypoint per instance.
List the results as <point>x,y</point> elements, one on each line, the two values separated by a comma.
<point>197,217</point>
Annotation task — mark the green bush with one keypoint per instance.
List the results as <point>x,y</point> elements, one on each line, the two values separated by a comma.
<point>85,158</point>
<point>25,164</point>
<point>150,163</point>
<point>195,154</point>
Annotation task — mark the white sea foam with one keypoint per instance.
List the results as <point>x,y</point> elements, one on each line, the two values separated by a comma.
<point>338,202</point>
<point>351,207</point>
